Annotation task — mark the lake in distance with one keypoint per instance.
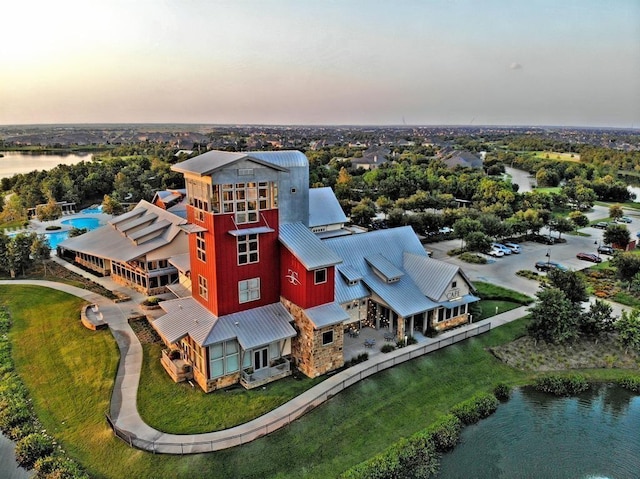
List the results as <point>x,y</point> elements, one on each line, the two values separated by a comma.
<point>15,162</point>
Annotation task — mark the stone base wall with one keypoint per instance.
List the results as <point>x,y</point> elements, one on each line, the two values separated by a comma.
<point>218,383</point>
<point>311,357</point>
<point>451,323</point>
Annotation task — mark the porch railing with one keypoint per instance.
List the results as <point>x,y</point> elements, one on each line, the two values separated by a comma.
<point>262,374</point>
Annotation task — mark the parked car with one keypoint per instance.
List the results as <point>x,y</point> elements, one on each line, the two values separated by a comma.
<point>501,247</point>
<point>605,249</point>
<point>548,266</point>
<point>589,257</point>
<point>624,219</point>
<point>445,230</point>
<point>603,225</point>
<point>542,239</point>
<point>514,247</point>
<point>496,253</point>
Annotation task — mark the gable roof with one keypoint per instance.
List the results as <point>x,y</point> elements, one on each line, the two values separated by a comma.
<point>307,247</point>
<point>252,328</point>
<point>131,235</point>
<point>431,276</point>
<point>207,163</point>
<point>384,249</point>
<point>324,208</point>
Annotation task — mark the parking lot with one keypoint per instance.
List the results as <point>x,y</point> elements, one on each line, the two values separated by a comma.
<point>501,271</point>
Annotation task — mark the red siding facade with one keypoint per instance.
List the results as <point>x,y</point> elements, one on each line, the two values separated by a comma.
<point>221,269</point>
<point>298,284</point>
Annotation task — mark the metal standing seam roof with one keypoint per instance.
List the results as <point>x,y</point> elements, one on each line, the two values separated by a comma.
<point>206,163</point>
<point>111,243</point>
<point>403,296</point>
<point>326,315</point>
<point>433,277</point>
<point>324,208</point>
<point>182,262</point>
<point>307,247</point>
<point>384,267</point>
<point>253,328</point>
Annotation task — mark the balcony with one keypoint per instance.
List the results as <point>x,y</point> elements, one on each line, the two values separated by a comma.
<point>252,379</point>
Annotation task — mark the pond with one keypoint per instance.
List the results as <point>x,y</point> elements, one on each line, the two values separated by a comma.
<point>536,435</point>
<point>9,468</point>
<point>14,162</point>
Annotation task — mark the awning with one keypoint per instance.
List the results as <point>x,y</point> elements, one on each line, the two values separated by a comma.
<point>251,231</point>
<point>466,299</point>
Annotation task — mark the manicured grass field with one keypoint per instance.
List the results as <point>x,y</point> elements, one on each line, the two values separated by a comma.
<point>554,155</point>
<point>159,398</point>
<point>69,372</point>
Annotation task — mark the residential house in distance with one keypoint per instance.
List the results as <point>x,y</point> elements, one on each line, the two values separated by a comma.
<point>276,279</point>
<point>372,158</point>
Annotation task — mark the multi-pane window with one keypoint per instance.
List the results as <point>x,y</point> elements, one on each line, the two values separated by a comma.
<point>320,276</point>
<point>200,247</point>
<point>246,199</point>
<point>247,249</point>
<point>203,290</point>
<point>327,338</point>
<point>224,358</point>
<point>249,290</point>
<point>199,194</point>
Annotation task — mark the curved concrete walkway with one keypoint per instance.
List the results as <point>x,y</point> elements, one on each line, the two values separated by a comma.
<point>124,411</point>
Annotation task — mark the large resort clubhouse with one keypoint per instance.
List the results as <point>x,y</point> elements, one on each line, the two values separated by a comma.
<point>263,273</point>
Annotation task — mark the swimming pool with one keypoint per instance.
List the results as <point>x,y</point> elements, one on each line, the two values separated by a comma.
<point>88,223</point>
<point>54,239</point>
<point>93,209</point>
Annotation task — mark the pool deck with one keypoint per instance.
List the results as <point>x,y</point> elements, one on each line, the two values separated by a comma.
<point>40,227</point>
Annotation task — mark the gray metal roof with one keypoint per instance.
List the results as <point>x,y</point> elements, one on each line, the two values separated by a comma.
<point>384,267</point>
<point>253,328</point>
<point>207,163</point>
<point>307,247</point>
<point>433,277</point>
<point>403,296</point>
<point>326,315</point>
<point>182,262</point>
<point>324,208</point>
<point>120,242</point>
<point>349,273</point>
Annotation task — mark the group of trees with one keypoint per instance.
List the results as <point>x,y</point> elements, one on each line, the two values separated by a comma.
<point>20,252</point>
<point>559,316</point>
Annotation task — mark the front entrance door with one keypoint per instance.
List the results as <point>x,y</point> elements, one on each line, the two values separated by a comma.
<point>260,358</point>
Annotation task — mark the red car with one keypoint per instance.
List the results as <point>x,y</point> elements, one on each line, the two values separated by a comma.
<point>594,258</point>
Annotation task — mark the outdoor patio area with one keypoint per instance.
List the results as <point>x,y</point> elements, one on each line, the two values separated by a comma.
<point>370,340</point>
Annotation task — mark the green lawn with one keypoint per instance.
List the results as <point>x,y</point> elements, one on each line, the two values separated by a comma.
<point>69,372</point>
<point>159,398</point>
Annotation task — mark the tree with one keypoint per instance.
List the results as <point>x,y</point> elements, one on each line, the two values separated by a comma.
<point>478,241</point>
<point>19,253</point>
<point>615,212</point>
<point>628,328</point>
<point>384,204</point>
<point>553,317</point>
<point>562,225</point>
<point>464,226</point>
<point>617,235</point>
<point>111,206</point>
<point>571,283</point>
<point>40,250</point>
<point>597,320</point>
<point>627,266</point>
<point>579,218</point>
<point>362,213</point>
<point>49,212</point>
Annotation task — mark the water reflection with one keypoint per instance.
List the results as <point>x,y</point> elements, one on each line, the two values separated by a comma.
<point>535,435</point>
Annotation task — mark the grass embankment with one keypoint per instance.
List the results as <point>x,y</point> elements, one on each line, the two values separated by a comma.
<point>496,300</point>
<point>69,372</point>
<point>159,399</point>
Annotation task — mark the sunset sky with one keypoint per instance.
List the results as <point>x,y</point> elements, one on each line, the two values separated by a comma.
<point>333,62</point>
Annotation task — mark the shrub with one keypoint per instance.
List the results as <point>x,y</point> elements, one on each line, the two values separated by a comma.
<point>632,383</point>
<point>58,467</point>
<point>15,414</point>
<point>562,385</point>
<point>445,434</point>
<point>32,448</point>
<point>387,348</point>
<point>478,407</point>
<point>151,301</point>
<point>473,258</point>
<point>502,392</point>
